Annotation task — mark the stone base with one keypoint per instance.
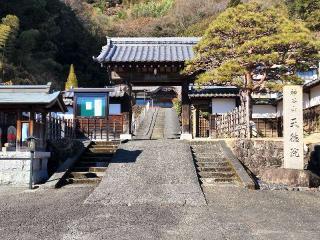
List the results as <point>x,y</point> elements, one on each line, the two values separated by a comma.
<point>125,137</point>
<point>186,136</point>
<point>291,177</point>
<point>15,168</point>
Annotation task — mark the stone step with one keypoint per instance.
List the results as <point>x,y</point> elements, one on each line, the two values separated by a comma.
<point>102,150</point>
<point>84,180</point>
<point>214,169</point>
<point>95,159</point>
<point>217,180</point>
<point>102,143</point>
<point>103,147</point>
<point>212,164</point>
<point>217,175</point>
<point>210,156</point>
<point>220,184</point>
<point>92,164</point>
<point>90,169</point>
<point>204,143</point>
<point>205,148</point>
<point>92,154</point>
<point>85,175</point>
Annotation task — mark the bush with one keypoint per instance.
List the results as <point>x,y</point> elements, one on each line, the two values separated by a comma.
<point>152,9</point>
<point>177,105</point>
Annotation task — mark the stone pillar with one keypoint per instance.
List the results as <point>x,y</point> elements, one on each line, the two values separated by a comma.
<point>128,135</point>
<point>194,120</point>
<point>293,127</point>
<point>185,113</point>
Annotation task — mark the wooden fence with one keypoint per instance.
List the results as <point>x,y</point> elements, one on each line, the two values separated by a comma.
<point>311,119</point>
<point>101,128</point>
<point>233,124</point>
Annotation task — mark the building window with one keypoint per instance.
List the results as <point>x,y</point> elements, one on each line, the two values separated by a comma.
<point>93,106</point>
<point>308,75</point>
<point>114,109</point>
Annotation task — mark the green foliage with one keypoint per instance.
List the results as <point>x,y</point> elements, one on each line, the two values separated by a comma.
<point>152,8</point>
<point>177,105</point>
<point>251,40</point>
<point>72,81</point>
<point>307,10</point>
<point>9,27</point>
<point>198,29</point>
<point>234,3</point>
<point>51,37</point>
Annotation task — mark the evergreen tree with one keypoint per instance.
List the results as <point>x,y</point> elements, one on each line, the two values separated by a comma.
<point>255,49</point>
<point>307,10</point>
<point>234,3</point>
<point>8,33</point>
<point>72,81</point>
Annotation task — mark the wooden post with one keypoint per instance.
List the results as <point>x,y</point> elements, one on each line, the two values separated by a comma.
<point>31,123</point>
<point>185,109</point>
<point>19,128</point>
<point>44,128</point>
<point>130,108</point>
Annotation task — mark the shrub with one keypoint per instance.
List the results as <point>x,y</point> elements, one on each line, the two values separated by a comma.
<point>152,9</point>
<point>177,105</point>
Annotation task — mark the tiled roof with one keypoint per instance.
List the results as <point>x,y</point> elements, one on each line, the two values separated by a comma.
<point>28,98</point>
<point>169,49</point>
<point>26,88</point>
<point>213,91</point>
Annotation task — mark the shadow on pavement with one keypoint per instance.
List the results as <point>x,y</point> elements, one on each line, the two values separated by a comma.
<point>125,156</point>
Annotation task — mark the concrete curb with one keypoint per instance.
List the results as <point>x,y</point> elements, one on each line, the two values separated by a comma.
<point>243,175</point>
<point>56,180</point>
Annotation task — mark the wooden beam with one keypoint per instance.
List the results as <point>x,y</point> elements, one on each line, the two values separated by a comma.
<point>19,128</point>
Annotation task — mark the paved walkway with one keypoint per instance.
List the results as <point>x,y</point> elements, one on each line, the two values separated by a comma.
<point>231,213</point>
<point>150,172</point>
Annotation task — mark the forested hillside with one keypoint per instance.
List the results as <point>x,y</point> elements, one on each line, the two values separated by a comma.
<point>40,39</point>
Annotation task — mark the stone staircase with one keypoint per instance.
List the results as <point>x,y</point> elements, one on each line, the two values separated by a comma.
<point>158,130</point>
<point>93,163</point>
<point>212,166</point>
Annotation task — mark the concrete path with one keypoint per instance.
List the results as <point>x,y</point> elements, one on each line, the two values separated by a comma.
<point>159,123</point>
<point>231,213</point>
<point>158,172</point>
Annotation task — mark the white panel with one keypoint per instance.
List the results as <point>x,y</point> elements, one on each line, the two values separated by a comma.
<point>98,107</point>
<point>280,108</point>
<point>306,102</point>
<point>315,96</point>
<point>223,105</point>
<point>264,111</point>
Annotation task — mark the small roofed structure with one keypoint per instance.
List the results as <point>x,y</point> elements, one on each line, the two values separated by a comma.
<point>99,113</point>
<point>150,62</point>
<point>24,111</point>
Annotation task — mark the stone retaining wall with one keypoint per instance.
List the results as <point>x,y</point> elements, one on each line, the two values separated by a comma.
<point>15,168</point>
<point>259,154</point>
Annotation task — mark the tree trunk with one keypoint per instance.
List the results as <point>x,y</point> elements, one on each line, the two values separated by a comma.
<point>246,101</point>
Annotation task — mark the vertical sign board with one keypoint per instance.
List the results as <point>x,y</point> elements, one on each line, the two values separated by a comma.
<point>293,127</point>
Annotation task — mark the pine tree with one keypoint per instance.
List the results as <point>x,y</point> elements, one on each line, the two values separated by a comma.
<point>9,27</point>
<point>234,3</point>
<point>250,41</point>
<point>72,81</point>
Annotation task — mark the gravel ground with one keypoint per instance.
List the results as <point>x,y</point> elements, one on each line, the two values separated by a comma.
<point>172,128</point>
<point>231,213</point>
<point>148,172</point>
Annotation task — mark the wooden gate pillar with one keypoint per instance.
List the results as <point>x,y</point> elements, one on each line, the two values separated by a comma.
<point>185,113</point>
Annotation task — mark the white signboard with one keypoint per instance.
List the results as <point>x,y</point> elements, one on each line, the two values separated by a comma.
<point>98,107</point>
<point>293,127</point>
<point>88,105</point>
